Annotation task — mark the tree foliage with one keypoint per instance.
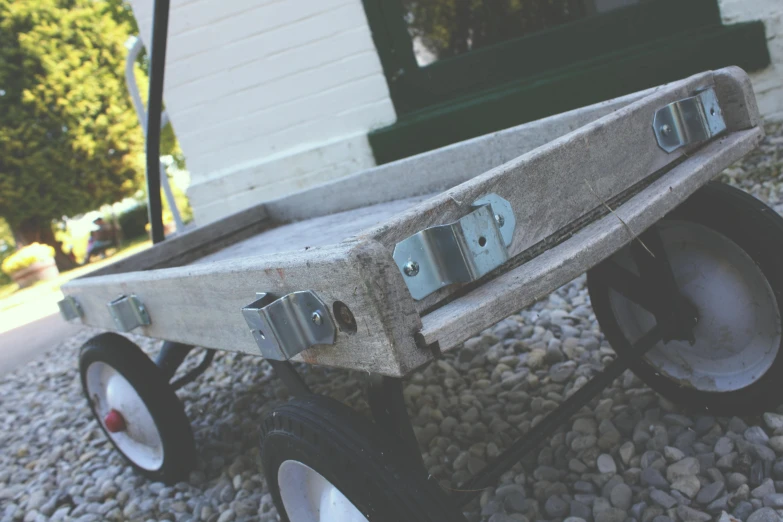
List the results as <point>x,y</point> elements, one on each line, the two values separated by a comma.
<point>69,137</point>
<point>451,27</point>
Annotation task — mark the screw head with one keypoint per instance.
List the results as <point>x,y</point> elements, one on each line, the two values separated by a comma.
<point>666,130</point>
<point>411,268</point>
<point>317,319</point>
<point>500,220</point>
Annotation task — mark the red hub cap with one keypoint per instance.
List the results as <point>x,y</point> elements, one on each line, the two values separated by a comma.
<point>114,421</point>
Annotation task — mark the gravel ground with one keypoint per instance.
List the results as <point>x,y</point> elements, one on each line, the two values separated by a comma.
<point>630,455</point>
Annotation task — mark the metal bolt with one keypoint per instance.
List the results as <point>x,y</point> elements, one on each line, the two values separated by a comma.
<point>500,220</point>
<point>666,130</point>
<point>411,268</point>
<point>317,319</point>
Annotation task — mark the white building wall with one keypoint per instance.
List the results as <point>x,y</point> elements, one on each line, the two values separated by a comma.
<point>269,96</point>
<point>272,96</point>
<point>768,84</point>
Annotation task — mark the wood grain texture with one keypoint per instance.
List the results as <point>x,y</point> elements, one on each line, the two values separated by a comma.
<point>735,94</point>
<point>200,304</point>
<point>423,174</point>
<point>557,183</point>
<point>520,287</point>
<point>550,188</point>
<point>184,248</point>
<point>439,169</point>
<point>319,231</point>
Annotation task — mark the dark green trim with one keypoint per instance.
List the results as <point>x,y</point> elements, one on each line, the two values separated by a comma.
<point>588,81</point>
<point>413,87</point>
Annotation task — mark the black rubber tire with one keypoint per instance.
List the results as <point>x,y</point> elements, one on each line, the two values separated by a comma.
<point>372,471</point>
<point>756,229</point>
<point>168,413</point>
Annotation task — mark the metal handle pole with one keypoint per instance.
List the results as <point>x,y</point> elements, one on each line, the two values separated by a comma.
<point>160,23</point>
<point>141,112</point>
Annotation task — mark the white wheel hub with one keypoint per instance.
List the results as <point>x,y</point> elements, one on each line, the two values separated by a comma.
<point>739,329</point>
<point>309,497</point>
<point>112,394</point>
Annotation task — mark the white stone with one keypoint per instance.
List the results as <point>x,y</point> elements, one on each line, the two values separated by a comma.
<point>773,420</point>
<point>606,464</point>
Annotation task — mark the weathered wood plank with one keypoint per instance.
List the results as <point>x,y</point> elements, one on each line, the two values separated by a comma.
<point>557,183</point>
<point>513,290</point>
<point>440,169</point>
<point>423,174</point>
<point>184,248</point>
<point>319,231</point>
<point>200,304</point>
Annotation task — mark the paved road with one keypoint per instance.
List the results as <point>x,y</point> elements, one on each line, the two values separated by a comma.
<point>31,329</point>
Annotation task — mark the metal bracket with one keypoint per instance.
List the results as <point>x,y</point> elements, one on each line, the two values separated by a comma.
<point>692,120</point>
<point>459,252</point>
<point>70,308</point>
<point>286,326</point>
<point>128,313</point>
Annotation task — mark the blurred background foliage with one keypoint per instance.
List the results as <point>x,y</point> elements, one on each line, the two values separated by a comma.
<point>70,140</point>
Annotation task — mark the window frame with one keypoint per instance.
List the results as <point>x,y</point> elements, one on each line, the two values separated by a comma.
<point>415,87</point>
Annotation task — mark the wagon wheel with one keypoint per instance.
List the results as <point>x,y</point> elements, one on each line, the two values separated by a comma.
<point>725,253</point>
<point>325,463</point>
<point>136,408</point>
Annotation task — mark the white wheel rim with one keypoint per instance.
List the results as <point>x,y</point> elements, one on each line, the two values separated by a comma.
<point>309,497</point>
<point>140,441</point>
<point>739,330</point>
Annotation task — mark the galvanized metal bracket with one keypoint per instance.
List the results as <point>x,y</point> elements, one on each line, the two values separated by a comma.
<point>458,252</point>
<point>70,308</point>
<point>692,120</point>
<point>285,326</point>
<point>128,313</point>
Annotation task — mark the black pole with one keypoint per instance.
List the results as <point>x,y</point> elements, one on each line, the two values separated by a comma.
<point>160,25</point>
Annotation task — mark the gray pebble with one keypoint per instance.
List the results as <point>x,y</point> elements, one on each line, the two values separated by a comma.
<point>774,500</point>
<point>621,496</point>
<point>653,477</point>
<point>756,435</point>
<point>687,514</point>
<point>556,507</point>
<point>764,515</point>
<point>662,498</point>
<point>606,464</point>
<point>710,492</point>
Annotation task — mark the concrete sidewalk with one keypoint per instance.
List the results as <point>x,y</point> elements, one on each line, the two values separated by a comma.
<point>31,329</point>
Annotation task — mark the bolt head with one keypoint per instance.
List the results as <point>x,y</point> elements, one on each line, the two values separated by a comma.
<point>500,220</point>
<point>666,130</point>
<point>411,268</point>
<point>317,319</point>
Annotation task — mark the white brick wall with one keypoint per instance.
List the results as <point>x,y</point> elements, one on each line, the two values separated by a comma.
<point>768,84</point>
<point>269,96</point>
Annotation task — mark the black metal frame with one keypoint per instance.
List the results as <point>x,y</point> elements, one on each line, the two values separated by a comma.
<point>387,404</point>
<point>160,25</point>
<point>172,355</point>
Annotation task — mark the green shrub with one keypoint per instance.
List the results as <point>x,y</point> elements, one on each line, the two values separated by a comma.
<point>133,220</point>
<point>26,256</point>
<point>6,250</point>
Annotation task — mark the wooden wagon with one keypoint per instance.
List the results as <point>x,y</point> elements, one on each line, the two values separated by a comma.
<point>385,270</point>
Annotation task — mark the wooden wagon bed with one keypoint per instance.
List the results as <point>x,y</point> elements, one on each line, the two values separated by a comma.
<point>580,186</point>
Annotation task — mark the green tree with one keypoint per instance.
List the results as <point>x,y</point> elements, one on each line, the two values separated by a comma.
<point>69,137</point>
